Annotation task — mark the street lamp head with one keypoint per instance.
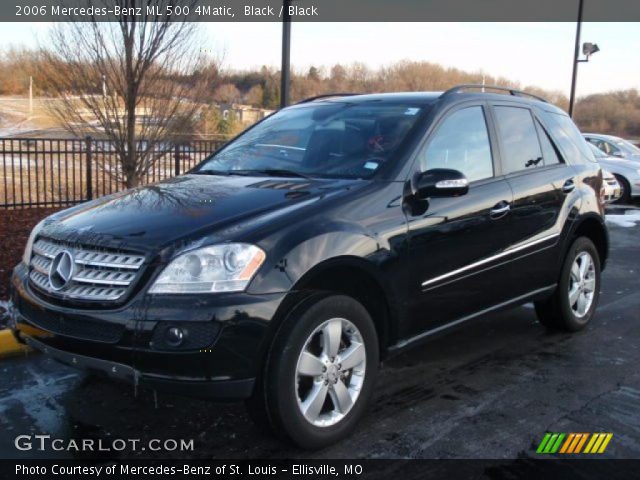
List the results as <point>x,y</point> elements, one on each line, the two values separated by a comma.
<point>589,49</point>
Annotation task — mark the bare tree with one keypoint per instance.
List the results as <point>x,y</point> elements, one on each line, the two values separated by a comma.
<point>136,82</point>
<point>227,93</point>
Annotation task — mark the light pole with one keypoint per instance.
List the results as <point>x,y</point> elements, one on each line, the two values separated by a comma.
<point>588,49</point>
<point>286,54</point>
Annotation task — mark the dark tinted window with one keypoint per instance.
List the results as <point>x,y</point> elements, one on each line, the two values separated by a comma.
<point>549,152</point>
<point>461,143</point>
<point>521,149</point>
<point>334,139</point>
<point>568,137</point>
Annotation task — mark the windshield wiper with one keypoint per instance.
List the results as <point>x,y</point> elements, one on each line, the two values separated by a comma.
<point>274,172</point>
<point>211,172</point>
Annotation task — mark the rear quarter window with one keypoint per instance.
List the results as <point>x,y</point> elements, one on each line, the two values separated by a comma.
<point>568,138</point>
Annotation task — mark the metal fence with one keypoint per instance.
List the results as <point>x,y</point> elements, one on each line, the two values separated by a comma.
<point>60,172</point>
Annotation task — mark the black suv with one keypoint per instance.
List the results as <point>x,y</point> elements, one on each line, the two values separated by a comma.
<point>332,234</point>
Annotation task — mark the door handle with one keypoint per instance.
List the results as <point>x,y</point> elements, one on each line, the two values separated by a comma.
<point>500,210</point>
<point>568,186</point>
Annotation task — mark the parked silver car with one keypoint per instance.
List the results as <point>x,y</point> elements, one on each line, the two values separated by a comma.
<point>614,146</point>
<point>627,172</point>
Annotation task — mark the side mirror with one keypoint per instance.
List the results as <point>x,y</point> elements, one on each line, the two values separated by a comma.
<point>440,182</point>
<point>618,154</point>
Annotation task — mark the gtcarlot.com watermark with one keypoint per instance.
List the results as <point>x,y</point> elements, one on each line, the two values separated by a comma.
<point>47,443</point>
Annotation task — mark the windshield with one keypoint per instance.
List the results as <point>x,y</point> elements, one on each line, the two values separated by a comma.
<point>596,151</point>
<point>347,140</point>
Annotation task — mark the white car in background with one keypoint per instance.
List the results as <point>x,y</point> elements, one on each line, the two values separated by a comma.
<point>626,172</point>
<point>614,146</point>
<point>611,186</point>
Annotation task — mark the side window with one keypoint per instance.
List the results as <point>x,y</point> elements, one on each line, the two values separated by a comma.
<point>461,143</point>
<point>549,152</point>
<point>601,144</point>
<point>568,137</point>
<point>610,148</point>
<point>521,148</point>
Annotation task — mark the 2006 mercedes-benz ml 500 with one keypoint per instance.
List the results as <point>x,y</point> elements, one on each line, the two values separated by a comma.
<point>330,235</point>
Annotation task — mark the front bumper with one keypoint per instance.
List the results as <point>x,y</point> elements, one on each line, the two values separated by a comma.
<point>226,337</point>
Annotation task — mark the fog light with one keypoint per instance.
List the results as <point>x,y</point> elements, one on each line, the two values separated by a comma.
<point>174,336</point>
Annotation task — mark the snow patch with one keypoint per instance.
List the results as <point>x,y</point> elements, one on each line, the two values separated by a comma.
<point>630,219</point>
<point>4,313</point>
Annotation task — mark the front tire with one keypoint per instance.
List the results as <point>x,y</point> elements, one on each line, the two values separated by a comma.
<point>575,299</point>
<point>321,371</point>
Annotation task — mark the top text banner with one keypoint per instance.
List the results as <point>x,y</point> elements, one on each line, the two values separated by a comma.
<point>319,10</point>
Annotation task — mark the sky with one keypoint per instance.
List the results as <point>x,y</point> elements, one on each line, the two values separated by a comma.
<point>537,54</point>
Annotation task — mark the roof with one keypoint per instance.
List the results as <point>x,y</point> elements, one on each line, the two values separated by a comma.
<point>601,135</point>
<point>427,98</point>
<point>391,97</point>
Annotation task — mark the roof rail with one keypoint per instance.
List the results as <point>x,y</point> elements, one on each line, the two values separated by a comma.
<point>512,91</point>
<point>325,95</point>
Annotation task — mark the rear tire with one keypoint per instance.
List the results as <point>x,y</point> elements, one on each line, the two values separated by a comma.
<point>320,372</point>
<point>575,299</point>
<point>625,190</point>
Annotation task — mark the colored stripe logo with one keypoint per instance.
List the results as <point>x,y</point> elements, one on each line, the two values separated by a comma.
<point>573,443</point>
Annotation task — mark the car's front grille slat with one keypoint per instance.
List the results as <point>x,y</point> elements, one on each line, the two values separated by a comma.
<point>47,250</point>
<point>103,277</point>
<point>97,275</point>
<point>41,264</point>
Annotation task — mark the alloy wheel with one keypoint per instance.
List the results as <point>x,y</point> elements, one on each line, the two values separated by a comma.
<point>330,372</point>
<point>582,284</point>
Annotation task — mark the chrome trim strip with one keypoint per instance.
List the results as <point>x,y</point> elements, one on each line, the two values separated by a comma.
<point>489,259</point>
<point>42,253</point>
<point>107,264</point>
<point>116,283</point>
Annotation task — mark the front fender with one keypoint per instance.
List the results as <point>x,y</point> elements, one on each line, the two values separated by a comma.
<point>293,257</point>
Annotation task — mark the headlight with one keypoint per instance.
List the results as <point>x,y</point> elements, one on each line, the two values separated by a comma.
<point>26,256</point>
<point>218,268</point>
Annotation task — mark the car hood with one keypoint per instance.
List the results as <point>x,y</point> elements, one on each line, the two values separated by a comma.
<point>184,207</point>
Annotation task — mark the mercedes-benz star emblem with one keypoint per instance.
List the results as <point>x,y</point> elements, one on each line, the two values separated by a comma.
<point>61,270</point>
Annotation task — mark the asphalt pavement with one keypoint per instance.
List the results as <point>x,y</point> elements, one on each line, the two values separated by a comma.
<point>489,390</point>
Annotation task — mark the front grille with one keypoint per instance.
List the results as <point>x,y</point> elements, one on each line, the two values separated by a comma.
<point>97,274</point>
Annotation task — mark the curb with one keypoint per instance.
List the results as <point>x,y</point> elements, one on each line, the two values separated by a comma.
<point>9,346</point>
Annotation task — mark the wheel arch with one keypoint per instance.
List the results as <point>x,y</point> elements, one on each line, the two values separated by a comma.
<point>357,278</point>
<point>594,228</point>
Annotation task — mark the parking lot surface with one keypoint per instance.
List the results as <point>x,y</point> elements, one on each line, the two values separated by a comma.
<point>489,390</point>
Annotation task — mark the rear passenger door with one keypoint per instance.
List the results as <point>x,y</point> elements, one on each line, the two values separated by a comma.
<point>541,181</point>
